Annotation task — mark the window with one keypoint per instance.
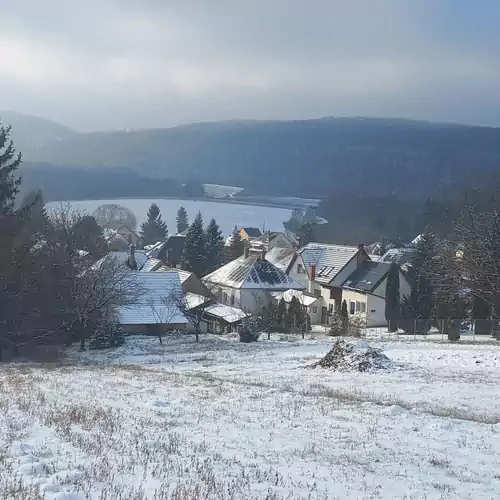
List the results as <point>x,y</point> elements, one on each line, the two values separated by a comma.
<point>352,307</point>
<point>300,268</point>
<point>358,306</point>
<point>332,294</point>
<point>330,308</point>
<point>224,297</point>
<point>363,307</point>
<point>232,298</point>
<point>315,310</point>
<point>317,293</point>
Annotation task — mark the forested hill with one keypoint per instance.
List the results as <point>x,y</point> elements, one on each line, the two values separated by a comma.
<point>350,156</point>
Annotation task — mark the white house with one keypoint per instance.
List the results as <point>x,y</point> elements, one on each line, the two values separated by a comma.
<point>247,283</point>
<point>322,269</point>
<point>311,304</point>
<point>364,291</point>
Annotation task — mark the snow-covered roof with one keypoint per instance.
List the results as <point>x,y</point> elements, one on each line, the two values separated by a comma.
<point>251,273</point>
<point>158,303</point>
<point>400,256</point>
<point>304,298</point>
<point>121,257</point>
<point>151,265</point>
<point>227,313</point>
<point>183,275</point>
<point>194,300</point>
<point>280,257</point>
<point>329,259</point>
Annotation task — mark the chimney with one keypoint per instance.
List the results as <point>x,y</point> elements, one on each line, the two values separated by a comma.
<point>360,256</point>
<point>263,254</point>
<point>246,252</point>
<point>132,263</point>
<point>312,277</point>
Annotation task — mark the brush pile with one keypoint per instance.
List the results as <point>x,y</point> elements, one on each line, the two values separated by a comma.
<point>354,355</point>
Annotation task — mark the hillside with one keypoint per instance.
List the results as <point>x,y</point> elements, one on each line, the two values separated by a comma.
<point>363,157</point>
<point>32,132</point>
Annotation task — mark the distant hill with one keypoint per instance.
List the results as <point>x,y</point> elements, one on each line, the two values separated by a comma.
<point>32,132</point>
<point>356,157</point>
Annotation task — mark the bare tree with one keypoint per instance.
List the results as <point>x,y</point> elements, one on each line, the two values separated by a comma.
<point>193,308</point>
<point>112,216</point>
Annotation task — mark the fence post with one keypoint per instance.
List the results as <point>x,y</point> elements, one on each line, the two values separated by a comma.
<point>415,329</point>
<point>473,330</point>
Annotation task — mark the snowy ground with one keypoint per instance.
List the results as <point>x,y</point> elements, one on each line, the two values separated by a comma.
<point>223,420</point>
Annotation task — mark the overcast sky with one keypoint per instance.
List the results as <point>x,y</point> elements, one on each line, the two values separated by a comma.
<point>102,64</point>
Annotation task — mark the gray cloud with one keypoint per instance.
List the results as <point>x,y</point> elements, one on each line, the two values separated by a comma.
<point>128,63</point>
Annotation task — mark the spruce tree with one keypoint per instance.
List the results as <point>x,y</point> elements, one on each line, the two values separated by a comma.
<point>182,220</point>
<point>9,181</point>
<point>281,314</point>
<point>214,243</point>
<point>392,302</point>
<point>237,246</point>
<point>344,317</point>
<point>154,229</point>
<point>194,257</point>
<point>481,313</point>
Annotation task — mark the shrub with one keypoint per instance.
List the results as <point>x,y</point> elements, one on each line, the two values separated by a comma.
<point>249,329</point>
<point>106,334</point>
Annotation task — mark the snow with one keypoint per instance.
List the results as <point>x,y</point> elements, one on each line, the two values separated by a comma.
<point>232,421</point>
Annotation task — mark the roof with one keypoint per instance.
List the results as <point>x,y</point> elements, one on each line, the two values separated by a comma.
<point>252,273</point>
<point>329,259</point>
<point>151,265</point>
<point>252,232</point>
<point>280,257</point>
<point>195,300</point>
<point>174,244</point>
<point>121,257</point>
<point>183,275</point>
<point>399,256</point>
<point>304,298</point>
<point>227,313</point>
<point>367,277</point>
<point>157,305</point>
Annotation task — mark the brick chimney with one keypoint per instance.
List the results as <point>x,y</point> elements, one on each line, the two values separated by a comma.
<point>312,278</point>
<point>246,252</point>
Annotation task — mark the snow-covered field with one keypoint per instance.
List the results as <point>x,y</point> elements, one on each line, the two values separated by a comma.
<point>224,420</point>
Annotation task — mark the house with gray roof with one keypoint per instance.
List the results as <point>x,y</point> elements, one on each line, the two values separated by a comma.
<point>247,283</point>
<point>364,291</point>
<point>322,269</point>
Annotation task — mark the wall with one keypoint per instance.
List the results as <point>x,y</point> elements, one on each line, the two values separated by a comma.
<point>404,287</point>
<point>350,267</point>
<point>376,311</point>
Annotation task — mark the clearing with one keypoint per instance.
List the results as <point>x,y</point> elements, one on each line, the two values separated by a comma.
<point>228,421</point>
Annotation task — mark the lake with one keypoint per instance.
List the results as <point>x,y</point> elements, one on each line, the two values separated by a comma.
<point>227,215</point>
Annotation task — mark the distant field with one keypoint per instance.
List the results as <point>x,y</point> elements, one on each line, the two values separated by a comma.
<point>220,420</point>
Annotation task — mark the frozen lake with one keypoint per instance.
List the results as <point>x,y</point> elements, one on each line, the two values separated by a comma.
<point>227,215</point>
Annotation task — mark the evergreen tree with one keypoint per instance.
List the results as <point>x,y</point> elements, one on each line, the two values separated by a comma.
<point>194,257</point>
<point>89,236</point>
<point>214,243</point>
<point>154,229</point>
<point>305,233</point>
<point>9,181</point>
<point>481,313</point>
<point>182,220</point>
<point>392,302</point>
<point>237,246</point>
<point>344,316</point>
<point>281,314</point>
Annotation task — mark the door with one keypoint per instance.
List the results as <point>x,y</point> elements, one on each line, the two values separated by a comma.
<point>323,315</point>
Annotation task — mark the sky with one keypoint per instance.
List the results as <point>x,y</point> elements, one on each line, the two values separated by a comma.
<point>115,64</point>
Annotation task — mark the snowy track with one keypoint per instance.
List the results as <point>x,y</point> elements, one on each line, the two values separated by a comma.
<point>222,420</point>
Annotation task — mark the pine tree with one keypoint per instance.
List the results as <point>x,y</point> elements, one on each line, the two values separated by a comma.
<point>182,220</point>
<point>237,246</point>
<point>392,302</point>
<point>305,233</point>
<point>481,313</point>
<point>344,317</point>
<point>9,162</point>
<point>281,314</point>
<point>194,257</point>
<point>214,243</point>
<point>89,236</point>
<point>154,229</point>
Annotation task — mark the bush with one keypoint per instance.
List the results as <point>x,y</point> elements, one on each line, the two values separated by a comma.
<point>249,330</point>
<point>106,334</point>
<point>356,325</point>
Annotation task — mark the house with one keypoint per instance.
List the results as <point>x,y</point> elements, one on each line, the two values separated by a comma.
<point>247,283</point>
<point>400,256</point>
<point>311,303</point>
<point>250,233</point>
<point>275,240</point>
<point>322,269</point>
<point>123,236</point>
<point>155,311</point>
<point>280,257</point>
<point>134,259</point>
<point>364,291</point>
<point>222,318</point>
<point>169,251</point>
<point>189,281</point>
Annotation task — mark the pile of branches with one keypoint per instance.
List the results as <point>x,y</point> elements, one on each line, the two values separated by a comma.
<point>349,355</point>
